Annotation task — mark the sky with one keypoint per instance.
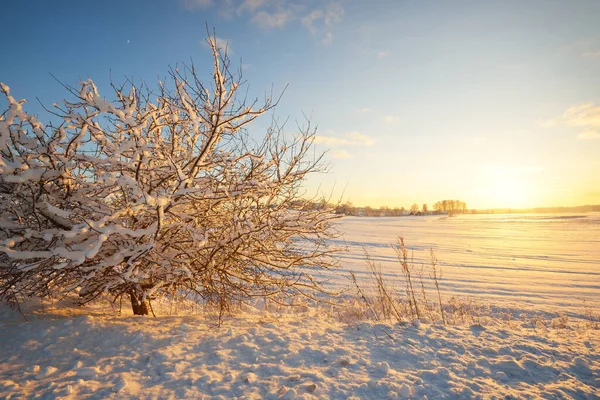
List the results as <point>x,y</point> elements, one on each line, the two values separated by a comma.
<point>495,103</point>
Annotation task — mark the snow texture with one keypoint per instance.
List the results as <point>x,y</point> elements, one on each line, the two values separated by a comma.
<point>522,261</point>
<point>519,352</point>
<point>59,354</point>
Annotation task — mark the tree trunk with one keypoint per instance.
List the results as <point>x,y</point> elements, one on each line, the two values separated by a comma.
<point>138,306</point>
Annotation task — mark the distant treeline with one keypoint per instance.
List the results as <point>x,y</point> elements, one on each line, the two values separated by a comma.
<point>349,209</point>
<point>451,206</point>
<point>540,210</point>
<point>440,207</point>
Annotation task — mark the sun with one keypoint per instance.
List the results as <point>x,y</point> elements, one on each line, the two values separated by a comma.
<point>507,192</point>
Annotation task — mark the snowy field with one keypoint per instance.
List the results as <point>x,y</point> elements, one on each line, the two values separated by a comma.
<point>64,354</point>
<point>537,267</point>
<point>535,261</point>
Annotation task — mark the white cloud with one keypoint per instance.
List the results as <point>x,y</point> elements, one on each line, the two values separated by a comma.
<point>585,116</point>
<point>310,19</point>
<point>269,14</point>
<point>383,53</point>
<point>251,4</point>
<point>322,21</point>
<point>364,110</point>
<point>589,134</point>
<point>277,14</point>
<point>551,123</point>
<point>347,139</point>
<point>390,119</point>
<point>334,12</point>
<point>193,5</point>
<point>328,39</point>
<point>592,54</point>
<point>582,115</point>
<point>268,20</point>
<point>224,44</point>
<point>340,154</point>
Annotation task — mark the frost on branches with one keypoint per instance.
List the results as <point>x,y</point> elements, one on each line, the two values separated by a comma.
<point>158,194</point>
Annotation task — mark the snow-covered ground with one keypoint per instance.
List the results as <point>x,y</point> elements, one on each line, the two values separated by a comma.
<point>529,276</point>
<point>541,261</point>
<point>302,355</point>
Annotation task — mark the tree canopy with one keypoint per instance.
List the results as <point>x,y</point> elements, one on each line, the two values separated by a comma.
<point>157,194</point>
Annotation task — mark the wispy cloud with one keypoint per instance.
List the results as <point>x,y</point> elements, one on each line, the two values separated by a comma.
<point>586,116</point>
<point>589,134</point>
<point>194,5</point>
<point>587,47</point>
<point>322,20</point>
<point>252,4</point>
<point>364,110</point>
<point>583,115</point>
<point>328,39</point>
<point>319,17</point>
<point>310,20</point>
<point>391,119</point>
<point>591,54</point>
<point>223,45</point>
<point>340,154</point>
<point>383,53</point>
<point>334,12</point>
<point>346,139</point>
<point>269,20</point>
<point>338,141</point>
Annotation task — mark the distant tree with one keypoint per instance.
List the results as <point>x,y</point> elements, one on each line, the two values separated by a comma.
<point>450,206</point>
<point>424,208</point>
<point>157,194</point>
<point>414,208</point>
<point>346,209</point>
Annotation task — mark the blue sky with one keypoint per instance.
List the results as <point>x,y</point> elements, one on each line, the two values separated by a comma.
<point>496,103</point>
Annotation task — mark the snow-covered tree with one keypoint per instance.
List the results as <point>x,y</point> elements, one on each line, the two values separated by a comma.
<point>157,194</point>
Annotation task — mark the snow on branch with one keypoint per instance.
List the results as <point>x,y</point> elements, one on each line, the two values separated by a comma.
<point>157,193</point>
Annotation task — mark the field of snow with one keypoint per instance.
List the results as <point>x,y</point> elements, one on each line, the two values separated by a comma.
<point>535,268</point>
<point>59,354</point>
<point>548,262</point>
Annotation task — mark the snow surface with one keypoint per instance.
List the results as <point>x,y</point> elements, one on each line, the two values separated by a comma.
<point>541,261</point>
<point>302,355</point>
<point>521,344</point>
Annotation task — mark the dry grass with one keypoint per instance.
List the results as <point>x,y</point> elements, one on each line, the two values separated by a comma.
<point>384,300</point>
<point>407,299</point>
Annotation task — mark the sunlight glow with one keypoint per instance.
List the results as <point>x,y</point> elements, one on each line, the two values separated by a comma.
<point>510,192</point>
